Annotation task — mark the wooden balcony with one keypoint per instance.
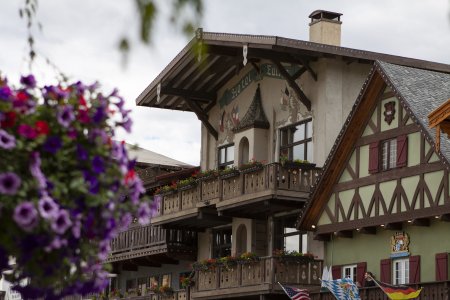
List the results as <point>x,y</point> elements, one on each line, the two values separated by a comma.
<point>213,201</point>
<point>177,295</point>
<point>139,243</point>
<point>256,278</point>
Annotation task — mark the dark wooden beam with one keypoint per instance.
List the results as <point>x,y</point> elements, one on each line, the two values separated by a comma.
<point>202,117</point>
<point>205,216</point>
<point>344,234</point>
<point>421,222</point>
<point>206,97</point>
<point>299,73</point>
<point>302,97</point>
<point>129,265</point>
<point>326,237</point>
<point>393,226</point>
<point>146,262</point>
<point>445,218</point>
<point>209,106</point>
<point>305,64</point>
<point>368,230</point>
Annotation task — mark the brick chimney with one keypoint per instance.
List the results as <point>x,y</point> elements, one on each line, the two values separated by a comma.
<point>325,27</point>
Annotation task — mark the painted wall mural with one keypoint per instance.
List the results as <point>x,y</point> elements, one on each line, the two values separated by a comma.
<point>291,104</point>
<point>227,122</point>
<point>265,70</point>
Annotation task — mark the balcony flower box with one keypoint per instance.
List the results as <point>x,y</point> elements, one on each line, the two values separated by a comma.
<point>207,175</point>
<point>187,184</point>
<point>228,173</point>
<point>298,165</point>
<point>252,166</point>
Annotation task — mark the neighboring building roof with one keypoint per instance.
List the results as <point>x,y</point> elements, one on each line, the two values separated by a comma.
<point>145,156</point>
<point>420,91</point>
<point>186,77</point>
<point>423,91</point>
<point>255,116</point>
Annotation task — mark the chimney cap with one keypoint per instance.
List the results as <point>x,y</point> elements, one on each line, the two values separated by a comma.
<point>320,14</point>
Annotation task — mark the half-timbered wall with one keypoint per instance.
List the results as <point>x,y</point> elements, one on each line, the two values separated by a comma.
<point>416,182</point>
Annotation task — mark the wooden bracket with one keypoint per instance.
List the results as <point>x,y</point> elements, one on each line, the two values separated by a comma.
<point>293,85</point>
<point>306,65</point>
<point>201,116</point>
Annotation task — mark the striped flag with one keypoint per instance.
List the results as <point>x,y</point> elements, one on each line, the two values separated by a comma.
<point>398,292</point>
<point>295,293</point>
<point>342,289</point>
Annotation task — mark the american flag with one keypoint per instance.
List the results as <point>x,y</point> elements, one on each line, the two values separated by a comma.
<point>295,293</point>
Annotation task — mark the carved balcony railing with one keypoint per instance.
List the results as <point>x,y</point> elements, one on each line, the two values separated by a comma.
<point>139,238</point>
<point>268,271</point>
<point>271,177</point>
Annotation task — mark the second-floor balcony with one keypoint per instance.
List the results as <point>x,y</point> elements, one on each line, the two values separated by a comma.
<point>252,193</point>
<point>256,278</point>
<point>152,245</point>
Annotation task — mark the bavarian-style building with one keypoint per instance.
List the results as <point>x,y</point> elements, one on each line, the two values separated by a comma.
<point>271,109</point>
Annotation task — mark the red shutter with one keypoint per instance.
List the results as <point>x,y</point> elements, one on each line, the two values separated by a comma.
<point>402,151</point>
<point>373,157</point>
<point>336,271</point>
<point>386,270</point>
<point>441,266</point>
<point>414,269</point>
<point>361,269</point>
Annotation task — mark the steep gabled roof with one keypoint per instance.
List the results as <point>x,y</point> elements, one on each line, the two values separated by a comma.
<point>255,116</point>
<point>185,77</point>
<point>419,91</point>
<point>147,157</point>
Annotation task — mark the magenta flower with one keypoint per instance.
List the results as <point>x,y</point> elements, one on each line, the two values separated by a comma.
<point>7,141</point>
<point>26,216</point>
<point>65,115</point>
<point>61,222</point>
<point>52,144</point>
<point>27,131</point>
<point>48,208</point>
<point>9,183</point>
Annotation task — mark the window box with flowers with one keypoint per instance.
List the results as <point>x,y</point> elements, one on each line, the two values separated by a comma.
<point>186,282</point>
<point>228,262</point>
<point>207,174</point>
<point>248,258</point>
<point>284,256</point>
<point>296,164</point>
<point>229,172</point>
<point>205,265</point>
<point>252,166</point>
<point>165,290</point>
<point>186,184</point>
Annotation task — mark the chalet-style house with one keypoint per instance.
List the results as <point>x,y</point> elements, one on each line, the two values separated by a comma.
<point>382,203</point>
<point>271,109</point>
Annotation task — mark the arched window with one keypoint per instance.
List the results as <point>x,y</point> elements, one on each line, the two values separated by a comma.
<point>241,240</point>
<point>244,150</point>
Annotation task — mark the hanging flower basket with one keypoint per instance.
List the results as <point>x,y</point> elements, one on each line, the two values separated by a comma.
<point>66,186</point>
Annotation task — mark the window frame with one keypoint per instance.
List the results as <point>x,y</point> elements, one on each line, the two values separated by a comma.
<point>222,248</point>
<point>281,224</point>
<point>226,162</point>
<point>290,144</point>
<point>353,268</point>
<point>389,155</point>
<point>403,271</point>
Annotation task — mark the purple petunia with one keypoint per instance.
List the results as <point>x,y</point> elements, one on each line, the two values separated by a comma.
<point>65,115</point>
<point>52,144</point>
<point>82,154</point>
<point>56,243</point>
<point>94,185</point>
<point>144,213</point>
<point>26,216</point>
<point>104,249</point>
<point>7,141</point>
<point>48,208</point>
<point>125,221</point>
<point>61,222</point>
<point>9,183</point>
<point>28,81</point>
<point>35,170</point>
<point>99,115</point>
<point>98,165</point>
<point>5,93</point>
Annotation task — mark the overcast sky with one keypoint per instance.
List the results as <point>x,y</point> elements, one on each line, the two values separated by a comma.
<point>80,37</point>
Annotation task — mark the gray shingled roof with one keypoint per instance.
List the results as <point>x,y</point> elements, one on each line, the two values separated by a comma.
<point>255,116</point>
<point>149,157</point>
<point>422,91</point>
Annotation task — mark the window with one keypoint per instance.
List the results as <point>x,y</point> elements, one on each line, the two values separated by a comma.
<point>222,242</point>
<point>349,272</point>
<point>296,141</point>
<point>226,156</point>
<point>389,154</point>
<point>401,271</point>
<point>287,237</point>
